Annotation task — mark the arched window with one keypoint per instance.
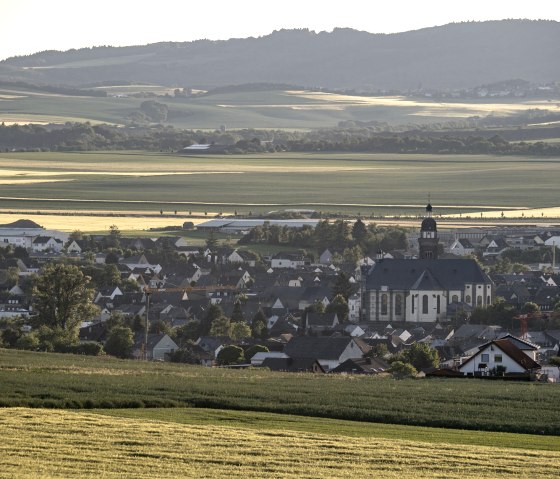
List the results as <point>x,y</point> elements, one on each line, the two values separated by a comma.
<point>425,304</point>
<point>398,304</point>
<point>454,298</point>
<point>488,300</point>
<point>479,300</point>
<point>383,304</point>
<point>468,299</point>
<point>438,304</point>
<point>412,304</point>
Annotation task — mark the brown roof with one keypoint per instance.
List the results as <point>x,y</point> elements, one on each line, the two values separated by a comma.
<point>512,351</point>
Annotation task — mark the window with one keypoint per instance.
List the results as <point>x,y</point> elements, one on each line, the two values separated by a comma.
<point>412,304</point>
<point>488,300</point>
<point>398,304</point>
<point>425,304</point>
<point>468,299</point>
<point>454,298</point>
<point>497,358</point>
<point>438,304</point>
<point>484,358</point>
<point>383,304</point>
<point>479,300</point>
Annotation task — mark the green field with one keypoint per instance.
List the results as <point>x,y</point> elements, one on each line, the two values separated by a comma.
<point>257,432</point>
<point>65,381</point>
<point>380,184</point>
<point>289,110</point>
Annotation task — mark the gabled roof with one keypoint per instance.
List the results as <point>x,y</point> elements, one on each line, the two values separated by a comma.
<point>320,347</point>
<point>292,364</point>
<point>403,274</point>
<point>321,319</point>
<point>507,347</point>
<point>362,366</point>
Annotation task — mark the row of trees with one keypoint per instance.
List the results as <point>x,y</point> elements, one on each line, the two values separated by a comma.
<point>338,236</point>
<point>84,137</point>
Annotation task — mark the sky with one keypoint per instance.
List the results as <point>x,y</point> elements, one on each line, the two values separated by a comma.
<point>29,26</point>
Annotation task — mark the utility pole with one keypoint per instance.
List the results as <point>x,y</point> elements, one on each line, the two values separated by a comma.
<point>147,324</point>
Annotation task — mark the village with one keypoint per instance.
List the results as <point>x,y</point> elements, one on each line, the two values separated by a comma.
<point>434,308</point>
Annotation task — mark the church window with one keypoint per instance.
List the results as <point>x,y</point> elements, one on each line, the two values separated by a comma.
<point>454,298</point>
<point>398,304</point>
<point>438,304</point>
<point>479,300</point>
<point>488,300</point>
<point>468,299</point>
<point>425,304</point>
<point>412,305</point>
<point>383,304</point>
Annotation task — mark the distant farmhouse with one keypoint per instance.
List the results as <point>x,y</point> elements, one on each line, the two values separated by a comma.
<point>427,289</point>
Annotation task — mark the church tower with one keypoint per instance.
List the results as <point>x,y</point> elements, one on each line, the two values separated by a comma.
<point>428,241</point>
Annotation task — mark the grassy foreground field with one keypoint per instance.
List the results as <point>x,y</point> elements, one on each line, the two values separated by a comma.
<point>62,444</point>
<point>380,184</point>
<point>66,381</point>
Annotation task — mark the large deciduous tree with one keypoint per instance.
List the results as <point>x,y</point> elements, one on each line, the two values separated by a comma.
<point>63,297</point>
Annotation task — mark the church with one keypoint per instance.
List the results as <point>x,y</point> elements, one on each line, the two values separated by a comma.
<point>427,289</point>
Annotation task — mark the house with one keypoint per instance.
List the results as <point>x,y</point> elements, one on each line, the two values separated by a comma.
<point>362,366</point>
<point>326,257</point>
<point>157,348</point>
<point>42,244</point>
<point>354,308</point>
<point>287,260</point>
<point>496,247</point>
<point>499,354</point>
<point>330,352</point>
<point>321,322</point>
<point>462,247</point>
<point>240,256</point>
<point>293,365</point>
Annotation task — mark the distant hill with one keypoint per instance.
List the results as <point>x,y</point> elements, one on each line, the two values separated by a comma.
<point>458,55</point>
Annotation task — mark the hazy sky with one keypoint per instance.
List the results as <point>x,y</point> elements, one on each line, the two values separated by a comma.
<point>28,26</point>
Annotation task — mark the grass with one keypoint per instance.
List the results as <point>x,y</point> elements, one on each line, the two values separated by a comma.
<point>65,381</point>
<point>268,109</point>
<point>287,422</point>
<point>380,184</point>
<point>43,443</point>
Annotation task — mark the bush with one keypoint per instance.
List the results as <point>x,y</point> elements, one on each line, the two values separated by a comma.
<point>402,370</point>
<point>230,355</point>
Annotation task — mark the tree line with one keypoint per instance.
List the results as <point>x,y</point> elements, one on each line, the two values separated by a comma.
<point>87,137</point>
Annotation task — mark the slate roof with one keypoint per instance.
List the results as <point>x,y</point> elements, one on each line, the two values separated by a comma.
<point>320,347</point>
<point>362,366</point>
<point>291,364</point>
<point>404,274</point>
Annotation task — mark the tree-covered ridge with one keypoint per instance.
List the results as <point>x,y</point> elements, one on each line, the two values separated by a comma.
<point>457,55</point>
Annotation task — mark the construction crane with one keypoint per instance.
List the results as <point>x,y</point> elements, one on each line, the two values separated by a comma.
<point>181,289</point>
<point>524,320</point>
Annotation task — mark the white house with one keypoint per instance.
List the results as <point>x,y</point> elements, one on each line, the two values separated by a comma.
<point>461,247</point>
<point>159,345</point>
<point>500,353</point>
<point>46,243</point>
<point>285,260</point>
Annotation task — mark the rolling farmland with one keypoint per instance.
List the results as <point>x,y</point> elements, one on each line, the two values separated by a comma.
<point>378,184</point>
